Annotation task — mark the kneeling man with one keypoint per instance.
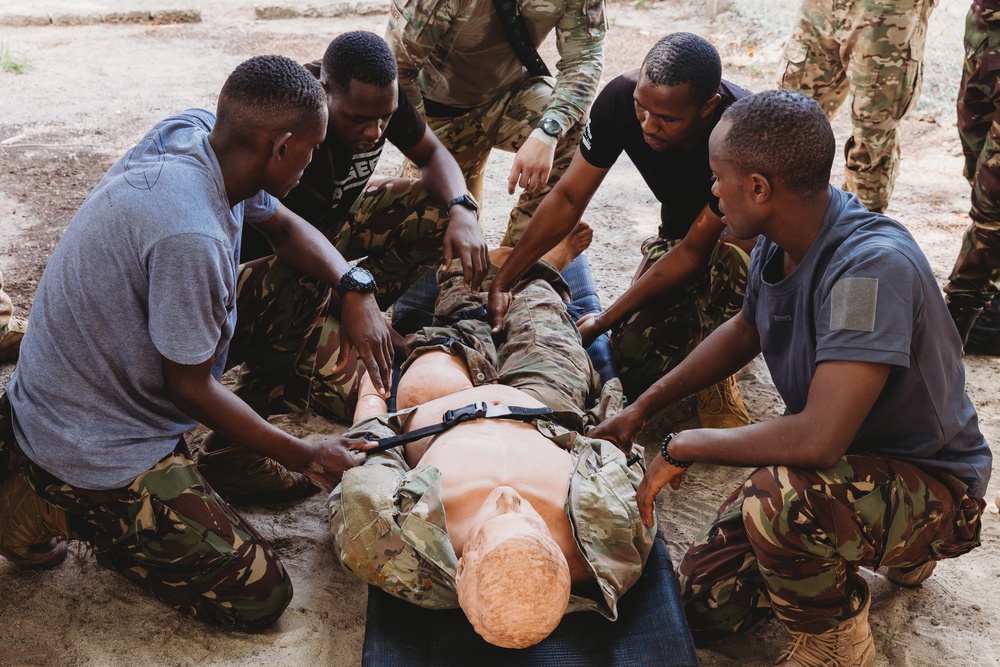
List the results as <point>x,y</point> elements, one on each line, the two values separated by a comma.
<point>515,519</point>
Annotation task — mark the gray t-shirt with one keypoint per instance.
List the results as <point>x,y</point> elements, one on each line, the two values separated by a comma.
<point>865,292</point>
<point>147,267</point>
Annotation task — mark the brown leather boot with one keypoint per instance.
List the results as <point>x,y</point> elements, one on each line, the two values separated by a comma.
<point>721,406</point>
<point>33,532</point>
<point>850,644</point>
<point>244,477</point>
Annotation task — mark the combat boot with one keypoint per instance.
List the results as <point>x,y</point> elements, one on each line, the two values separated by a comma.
<point>721,406</point>
<point>984,335</point>
<point>33,532</point>
<point>244,477</point>
<point>910,577</point>
<point>10,341</point>
<point>850,644</point>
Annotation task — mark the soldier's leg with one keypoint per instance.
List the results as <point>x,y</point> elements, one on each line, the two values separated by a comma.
<point>399,230</point>
<point>812,61</point>
<point>793,539</point>
<point>655,339</point>
<point>885,69</point>
<point>811,530</point>
<point>517,119</point>
<point>172,535</point>
<point>280,315</point>
<point>540,350</point>
<point>280,321</point>
<point>972,283</point>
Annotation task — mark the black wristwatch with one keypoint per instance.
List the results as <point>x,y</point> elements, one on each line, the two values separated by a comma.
<point>551,127</point>
<point>466,200</point>
<point>357,280</point>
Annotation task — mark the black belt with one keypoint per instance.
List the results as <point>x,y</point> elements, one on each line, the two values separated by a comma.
<point>479,410</point>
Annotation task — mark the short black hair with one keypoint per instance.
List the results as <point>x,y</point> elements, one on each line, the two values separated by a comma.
<point>784,136</point>
<point>682,57</point>
<point>358,56</point>
<point>267,91</point>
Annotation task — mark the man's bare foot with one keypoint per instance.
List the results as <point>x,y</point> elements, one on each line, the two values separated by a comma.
<point>570,247</point>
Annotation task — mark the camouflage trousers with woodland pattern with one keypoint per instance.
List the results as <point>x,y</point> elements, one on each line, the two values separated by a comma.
<point>169,533</point>
<point>789,542</point>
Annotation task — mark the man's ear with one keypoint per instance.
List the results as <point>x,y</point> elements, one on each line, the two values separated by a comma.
<point>760,188</point>
<point>709,107</point>
<point>279,145</point>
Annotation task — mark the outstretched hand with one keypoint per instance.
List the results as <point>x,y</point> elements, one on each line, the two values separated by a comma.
<point>496,306</point>
<point>363,327</point>
<point>658,475</point>
<point>331,458</point>
<point>463,240</point>
<point>621,430</point>
<point>590,328</point>
<point>532,165</point>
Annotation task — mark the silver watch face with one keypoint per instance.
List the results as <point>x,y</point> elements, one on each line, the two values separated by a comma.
<point>550,126</point>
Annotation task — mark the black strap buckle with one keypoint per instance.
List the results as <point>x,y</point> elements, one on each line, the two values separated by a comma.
<point>467,413</point>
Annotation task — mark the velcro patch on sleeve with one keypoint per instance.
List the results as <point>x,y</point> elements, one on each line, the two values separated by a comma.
<point>853,303</point>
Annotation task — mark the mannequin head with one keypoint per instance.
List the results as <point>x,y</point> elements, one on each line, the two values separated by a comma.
<point>513,579</point>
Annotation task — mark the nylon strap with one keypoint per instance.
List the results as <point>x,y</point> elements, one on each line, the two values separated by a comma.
<point>453,418</point>
<point>516,31</point>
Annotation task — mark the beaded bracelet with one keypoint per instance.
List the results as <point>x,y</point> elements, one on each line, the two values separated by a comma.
<point>669,459</point>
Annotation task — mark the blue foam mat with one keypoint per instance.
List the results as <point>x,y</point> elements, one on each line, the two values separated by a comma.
<point>651,630</point>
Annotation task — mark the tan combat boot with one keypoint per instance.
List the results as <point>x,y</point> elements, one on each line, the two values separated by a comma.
<point>720,406</point>
<point>912,578</point>
<point>244,477</point>
<point>850,644</point>
<point>33,532</point>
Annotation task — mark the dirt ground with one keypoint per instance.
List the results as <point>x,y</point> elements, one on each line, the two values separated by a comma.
<point>90,91</point>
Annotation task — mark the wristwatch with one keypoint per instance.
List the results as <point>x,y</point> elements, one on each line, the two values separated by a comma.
<point>357,280</point>
<point>551,127</point>
<point>466,200</point>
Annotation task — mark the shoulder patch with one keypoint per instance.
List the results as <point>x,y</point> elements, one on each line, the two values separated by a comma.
<point>853,303</point>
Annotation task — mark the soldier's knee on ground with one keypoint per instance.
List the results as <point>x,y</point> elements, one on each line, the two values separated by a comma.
<point>258,612</point>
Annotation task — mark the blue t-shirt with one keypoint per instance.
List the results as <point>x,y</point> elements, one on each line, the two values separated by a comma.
<point>865,292</point>
<point>147,267</point>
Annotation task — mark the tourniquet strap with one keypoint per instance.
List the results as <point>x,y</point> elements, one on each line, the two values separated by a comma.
<point>451,418</point>
<point>517,35</point>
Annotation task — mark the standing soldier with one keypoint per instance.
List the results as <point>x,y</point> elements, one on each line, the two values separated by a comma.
<point>972,284</point>
<point>481,84</point>
<point>874,51</point>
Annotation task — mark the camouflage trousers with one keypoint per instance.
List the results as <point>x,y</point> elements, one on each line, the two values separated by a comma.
<point>655,339</point>
<point>872,50</point>
<point>538,350</point>
<point>287,335</point>
<point>790,541</point>
<point>504,123</point>
<point>973,281</point>
<point>170,534</point>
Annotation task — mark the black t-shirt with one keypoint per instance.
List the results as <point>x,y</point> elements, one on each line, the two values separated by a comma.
<point>680,179</point>
<point>334,180</point>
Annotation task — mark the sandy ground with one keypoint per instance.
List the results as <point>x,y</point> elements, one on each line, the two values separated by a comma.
<point>91,91</point>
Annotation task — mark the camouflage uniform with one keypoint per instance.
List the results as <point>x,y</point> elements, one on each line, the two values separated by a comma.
<point>172,535</point>
<point>657,338</point>
<point>388,521</point>
<point>287,341</point>
<point>790,541</point>
<point>433,42</point>
<point>872,49</point>
<point>6,310</point>
<point>972,283</point>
